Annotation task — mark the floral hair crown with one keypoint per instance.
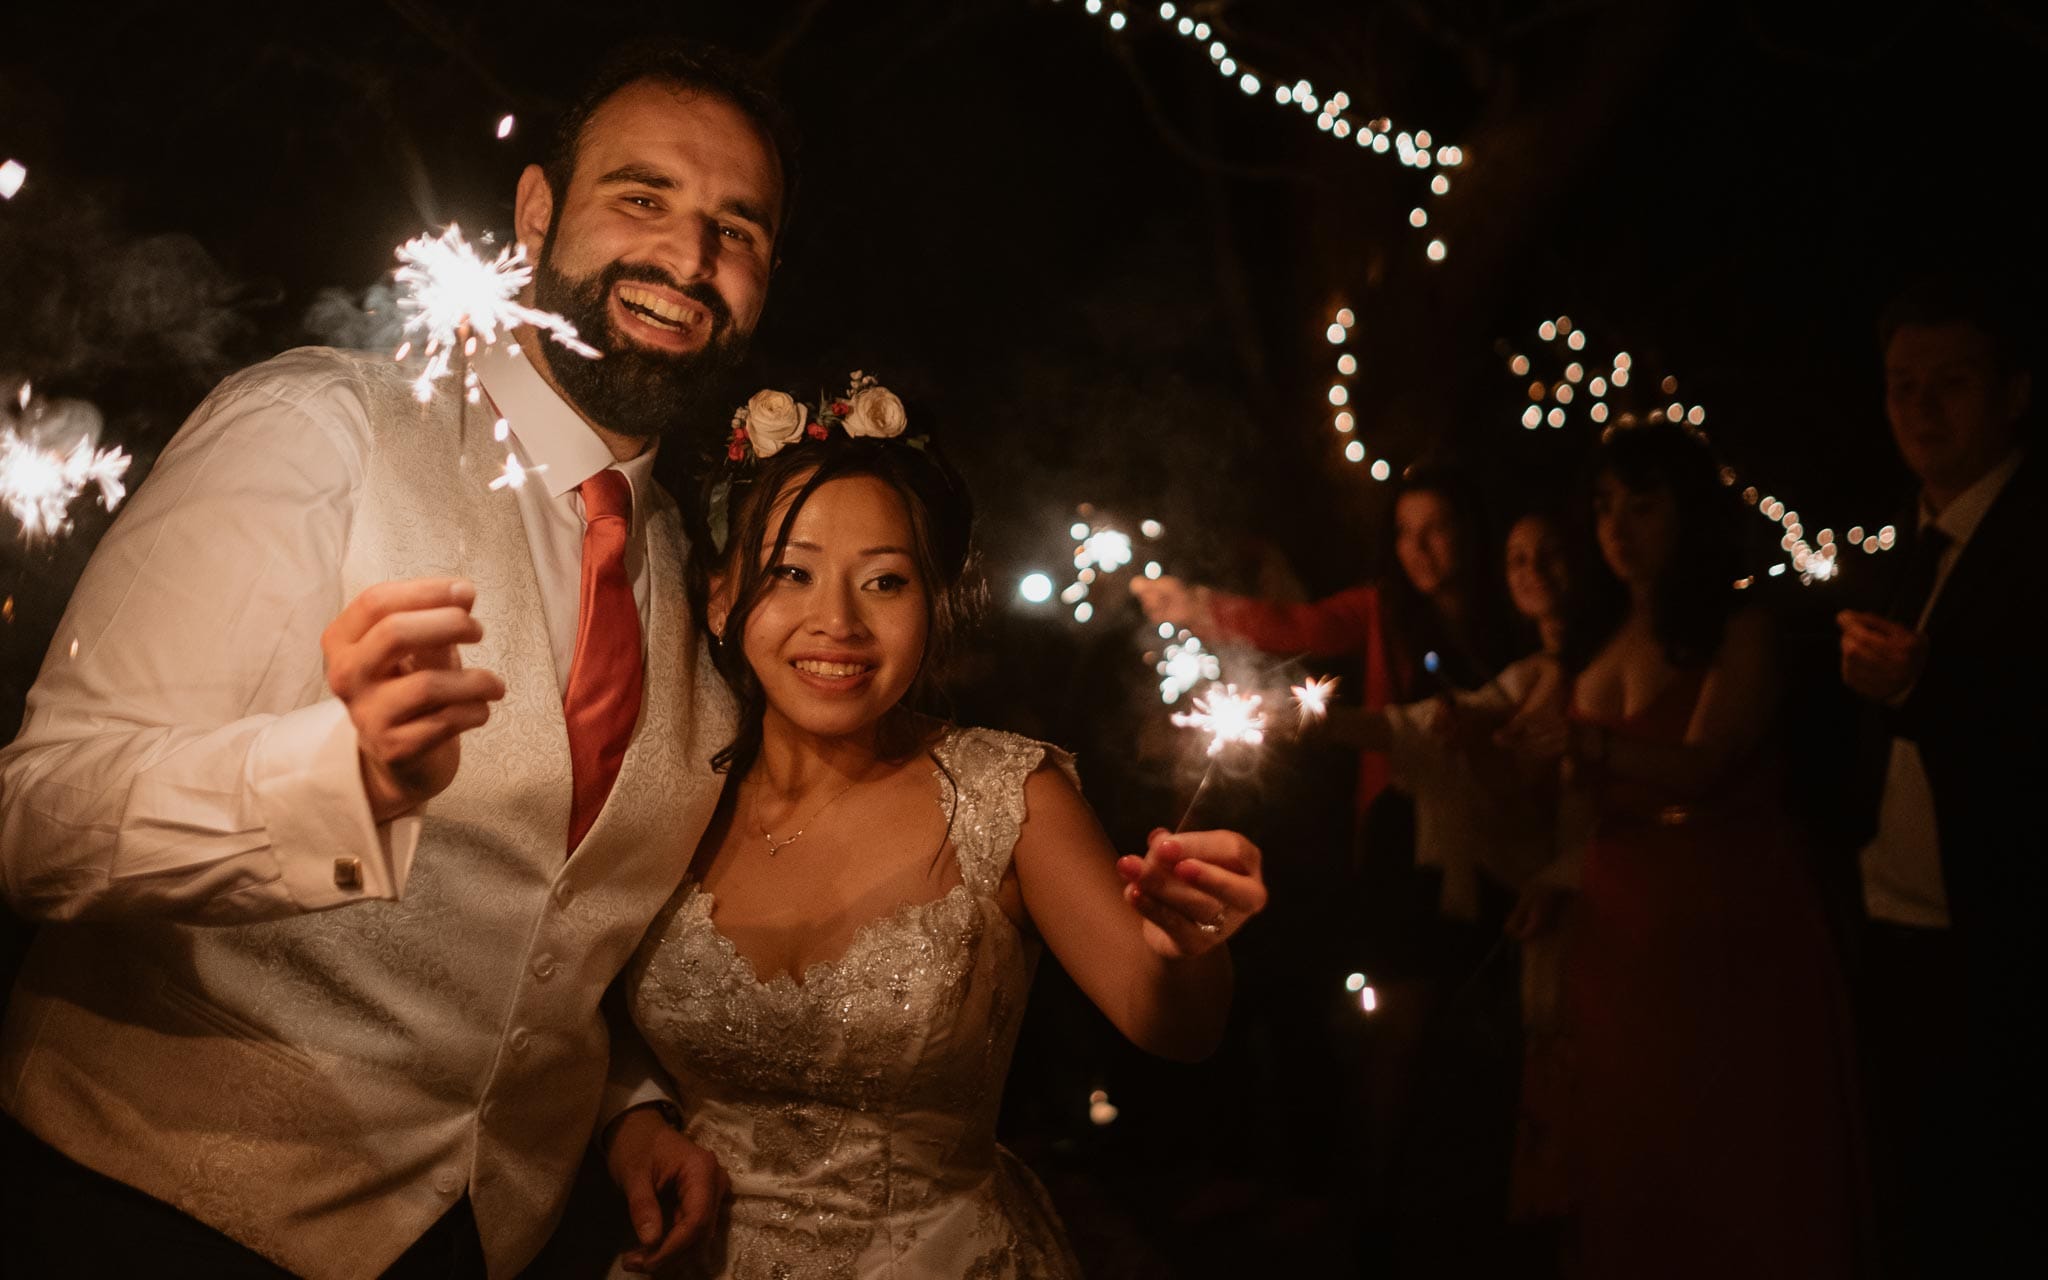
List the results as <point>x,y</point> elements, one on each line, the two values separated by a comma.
<point>772,420</point>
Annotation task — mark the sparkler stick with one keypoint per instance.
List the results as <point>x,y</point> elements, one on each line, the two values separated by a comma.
<point>1230,718</point>
<point>1195,799</point>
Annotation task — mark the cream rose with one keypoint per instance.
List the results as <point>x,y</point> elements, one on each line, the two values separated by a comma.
<point>876,412</point>
<point>774,419</point>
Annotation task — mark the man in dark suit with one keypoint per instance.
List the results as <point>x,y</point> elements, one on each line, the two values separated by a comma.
<point>1953,865</point>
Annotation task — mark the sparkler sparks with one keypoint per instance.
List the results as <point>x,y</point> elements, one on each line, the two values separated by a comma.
<point>1312,697</point>
<point>1229,718</point>
<point>456,299</point>
<point>1099,549</point>
<point>1104,549</point>
<point>1185,665</point>
<point>38,484</point>
<point>514,475</point>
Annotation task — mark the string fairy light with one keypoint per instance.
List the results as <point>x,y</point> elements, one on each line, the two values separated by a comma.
<point>12,174</point>
<point>1345,417</point>
<point>1335,115</point>
<point>1815,559</point>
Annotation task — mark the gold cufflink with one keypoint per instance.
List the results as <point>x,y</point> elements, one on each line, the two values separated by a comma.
<point>348,873</point>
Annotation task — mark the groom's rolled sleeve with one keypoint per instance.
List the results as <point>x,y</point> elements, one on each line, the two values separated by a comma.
<point>181,756</point>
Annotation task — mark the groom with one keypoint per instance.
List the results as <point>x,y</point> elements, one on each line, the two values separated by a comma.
<point>282,1012</point>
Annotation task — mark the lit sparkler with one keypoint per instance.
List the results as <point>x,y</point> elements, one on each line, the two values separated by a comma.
<point>1312,697</point>
<point>1229,718</point>
<point>38,485</point>
<point>456,299</point>
<point>1185,664</point>
<point>1098,549</point>
<point>1104,549</point>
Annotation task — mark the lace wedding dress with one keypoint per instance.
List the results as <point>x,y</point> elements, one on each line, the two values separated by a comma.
<point>855,1110</point>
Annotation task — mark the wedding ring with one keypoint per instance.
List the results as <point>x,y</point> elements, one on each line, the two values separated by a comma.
<point>1216,925</point>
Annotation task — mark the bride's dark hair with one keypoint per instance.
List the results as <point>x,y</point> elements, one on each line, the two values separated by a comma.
<point>941,524</point>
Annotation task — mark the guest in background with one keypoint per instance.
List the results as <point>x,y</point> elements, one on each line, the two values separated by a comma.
<point>1476,818</point>
<point>1953,876</point>
<point>1439,602</point>
<point>1485,821</point>
<point>1712,1124</point>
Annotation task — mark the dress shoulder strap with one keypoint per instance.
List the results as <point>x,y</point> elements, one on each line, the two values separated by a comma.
<point>981,785</point>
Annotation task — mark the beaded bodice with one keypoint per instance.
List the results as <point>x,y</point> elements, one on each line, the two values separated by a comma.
<point>854,1110</point>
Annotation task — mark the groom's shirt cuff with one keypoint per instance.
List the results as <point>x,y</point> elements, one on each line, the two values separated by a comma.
<point>306,773</point>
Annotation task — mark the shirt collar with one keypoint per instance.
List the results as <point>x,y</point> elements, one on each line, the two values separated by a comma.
<point>1960,518</point>
<point>552,434</point>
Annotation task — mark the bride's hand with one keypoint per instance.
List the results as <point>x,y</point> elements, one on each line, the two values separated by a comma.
<point>673,1187</point>
<point>1194,889</point>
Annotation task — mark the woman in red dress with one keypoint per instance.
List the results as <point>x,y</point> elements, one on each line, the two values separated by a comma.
<point>1712,1120</point>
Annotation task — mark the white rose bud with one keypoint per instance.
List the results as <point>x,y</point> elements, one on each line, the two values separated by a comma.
<point>876,412</point>
<point>774,419</point>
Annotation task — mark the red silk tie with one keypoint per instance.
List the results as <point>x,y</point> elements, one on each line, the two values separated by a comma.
<point>603,700</point>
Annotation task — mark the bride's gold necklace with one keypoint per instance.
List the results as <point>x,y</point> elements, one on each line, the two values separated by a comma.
<point>776,846</point>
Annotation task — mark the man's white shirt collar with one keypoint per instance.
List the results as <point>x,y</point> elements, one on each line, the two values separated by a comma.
<point>1960,518</point>
<point>551,433</point>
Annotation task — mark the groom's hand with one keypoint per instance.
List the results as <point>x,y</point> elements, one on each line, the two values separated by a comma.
<point>392,659</point>
<point>673,1187</point>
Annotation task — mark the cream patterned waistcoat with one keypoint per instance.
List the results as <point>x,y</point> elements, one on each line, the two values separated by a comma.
<point>324,1088</point>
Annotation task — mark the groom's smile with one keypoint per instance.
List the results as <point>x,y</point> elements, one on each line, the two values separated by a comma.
<point>658,318</point>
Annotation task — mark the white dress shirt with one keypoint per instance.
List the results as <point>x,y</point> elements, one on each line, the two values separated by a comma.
<point>1465,825</point>
<point>1902,881</point>
<point>135,788</point>
<point>549,437</point>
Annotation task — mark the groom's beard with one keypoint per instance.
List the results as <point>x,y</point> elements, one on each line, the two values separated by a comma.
<point>630,389</point>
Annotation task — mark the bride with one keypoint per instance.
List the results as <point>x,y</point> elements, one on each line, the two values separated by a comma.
<point>836,988</point>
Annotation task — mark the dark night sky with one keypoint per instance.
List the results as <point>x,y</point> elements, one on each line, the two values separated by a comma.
<point>1103,269</point>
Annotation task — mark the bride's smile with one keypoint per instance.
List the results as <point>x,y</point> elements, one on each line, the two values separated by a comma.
<point>840,630</point>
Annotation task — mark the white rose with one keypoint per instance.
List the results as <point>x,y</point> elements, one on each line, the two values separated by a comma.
<point>774,419</point>
<point>876,412</point>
